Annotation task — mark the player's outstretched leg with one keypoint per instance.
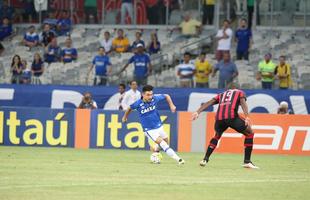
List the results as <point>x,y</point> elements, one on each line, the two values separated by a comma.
<point>248,147</point>
<point>211,147</point>
<point>169,151</point>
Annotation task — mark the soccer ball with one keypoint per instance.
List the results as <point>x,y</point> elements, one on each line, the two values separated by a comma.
<point>156,158</point>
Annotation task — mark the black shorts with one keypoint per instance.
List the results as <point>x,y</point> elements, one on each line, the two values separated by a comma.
<point>237,124</point>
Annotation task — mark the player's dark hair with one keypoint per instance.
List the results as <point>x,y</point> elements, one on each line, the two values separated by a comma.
<point>226,20</point>
<point>187,54</point>
<point>147,88</point>
<point>132,82</point>
<point>122,85</point>
<point>283,57</point>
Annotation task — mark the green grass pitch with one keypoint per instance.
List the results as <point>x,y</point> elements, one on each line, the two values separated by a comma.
<point>62,173</point>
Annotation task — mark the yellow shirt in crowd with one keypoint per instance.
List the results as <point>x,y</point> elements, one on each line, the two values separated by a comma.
<point>282,70</point>
<point>120,44</point>
<point>209,2</point>
<point>202,68</point>
<point>190,27</point>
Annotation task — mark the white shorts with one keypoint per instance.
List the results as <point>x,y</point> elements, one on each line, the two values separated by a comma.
<point>155,133</point>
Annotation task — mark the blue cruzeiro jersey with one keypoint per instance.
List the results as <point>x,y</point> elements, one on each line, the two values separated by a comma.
<point>149,116</point>
<point>141,62</point>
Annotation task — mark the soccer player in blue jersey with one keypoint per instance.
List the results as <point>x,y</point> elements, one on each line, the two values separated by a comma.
<point>150,119</point>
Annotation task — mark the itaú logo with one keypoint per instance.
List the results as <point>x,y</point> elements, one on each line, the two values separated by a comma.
<point>280,139</point>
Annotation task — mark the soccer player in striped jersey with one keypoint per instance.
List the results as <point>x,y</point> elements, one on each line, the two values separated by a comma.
<point>150,119</point>
<point>227,116</point>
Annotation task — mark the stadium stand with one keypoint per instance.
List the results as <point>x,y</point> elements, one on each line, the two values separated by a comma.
<point>287,41</point>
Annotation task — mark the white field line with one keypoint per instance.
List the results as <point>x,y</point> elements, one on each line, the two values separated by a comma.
<point>4,187</point>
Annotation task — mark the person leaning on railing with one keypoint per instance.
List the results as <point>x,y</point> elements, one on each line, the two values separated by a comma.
<point>87,102</point>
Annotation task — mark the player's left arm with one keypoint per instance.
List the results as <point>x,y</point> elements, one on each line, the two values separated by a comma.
<point>170,103</point>
<point>245,109</point>
<point>125,117</point>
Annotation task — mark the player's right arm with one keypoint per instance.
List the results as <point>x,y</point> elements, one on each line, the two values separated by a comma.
<point>204,106</point>
<point>125,117</point>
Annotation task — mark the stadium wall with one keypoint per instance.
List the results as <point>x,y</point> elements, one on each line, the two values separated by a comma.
<point>100,129</point>
<point>50,96</point>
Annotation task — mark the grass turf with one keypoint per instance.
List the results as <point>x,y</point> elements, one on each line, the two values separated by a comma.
<point>63,173</point>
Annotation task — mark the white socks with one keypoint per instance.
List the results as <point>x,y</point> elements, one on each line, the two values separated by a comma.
<point>169,151</point>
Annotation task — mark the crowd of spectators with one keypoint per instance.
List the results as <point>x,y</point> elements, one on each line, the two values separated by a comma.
<point>191,72</point>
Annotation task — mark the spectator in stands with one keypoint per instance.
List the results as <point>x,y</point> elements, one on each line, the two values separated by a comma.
<point>186,71</point>
<point>26,75</point>
<point>154,46</point>
<point>47,35</point>
<point>5,29</point>
<point>64,24</point>
<point>131,95</point>
<point>126,7</point>
<point>102,64</point>
<point>142,64</point>
<point>223,38</point>
<point>203,70</point>
<point>121,93</point>
<point>283,108</point>
<point>51,20</point>
<point>283,73</point>
<point>266,69</point>
<point>16,69</point>
<point>1,49</point>
<point>106,43</point>
<point>208,11</point>
<point>228,71</point>
<point>69,53</point>
<point>6,10</point>
<point>189,27</point>
<point>120,44</point>
<point>87,102</point>
<point>52,52</point>
<point>31,38</point>
<point>37,68</point>
<point>243,37</point>
<point>137,41</point>
<point>90,11</point>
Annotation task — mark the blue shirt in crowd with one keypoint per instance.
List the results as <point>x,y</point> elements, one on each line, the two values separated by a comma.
<point>31,37</point>
<point>141,62</point>
<point>226,72</point>
<point>101,63</point>
<point>37,66</point>
<point>65,25</point>
<point>148,113</point>
<point>5,31</point>
<point>243,36</point>
<point>152,49</point>
<point>69,54</point>
<point>53,54</point>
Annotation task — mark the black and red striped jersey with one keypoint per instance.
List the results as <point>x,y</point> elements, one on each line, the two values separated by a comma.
<point>229,102</point>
